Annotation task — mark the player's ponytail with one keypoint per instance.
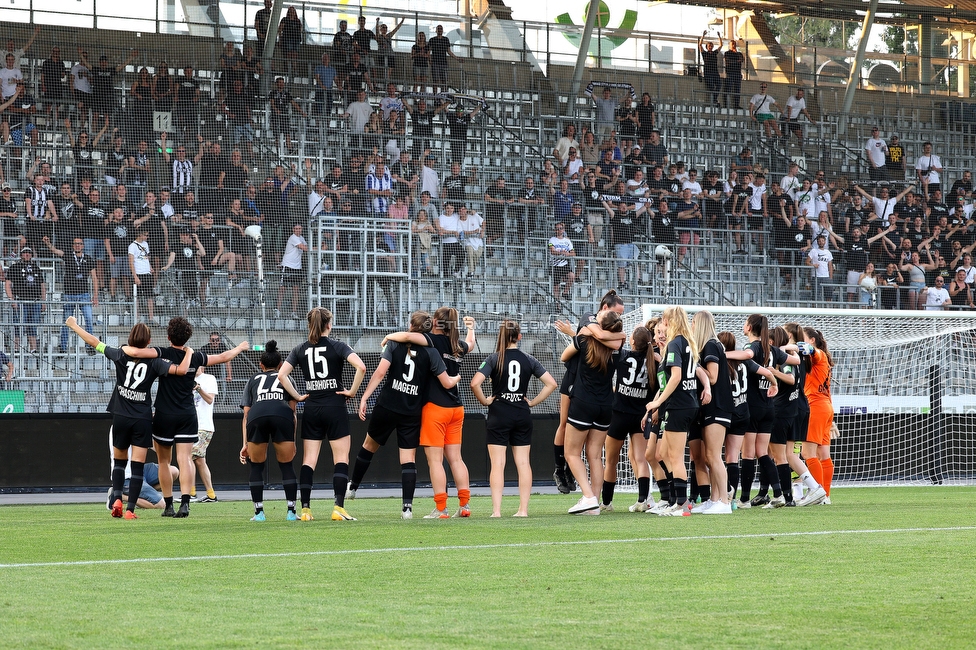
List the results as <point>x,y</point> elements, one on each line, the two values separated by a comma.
<point>703,327</point>
<point>727,339</point>
<point>642,345</point>
<point>820,343</point>
<point>759,327</point>
<point>447,319</point>
<point>597,354</point>
<point>796,333</point>
<point>778,337</point>
<point>610,300</point>
<point>508,333</point>
<point>319,323</point>
<point>271,357</point>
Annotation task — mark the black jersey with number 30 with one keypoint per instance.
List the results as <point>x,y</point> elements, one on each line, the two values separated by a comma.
<point>265,397</point>
<point>321,365</point>
<point>758,398</point>
<point>132,397</point>
<point>412,369</point>
<point>678,355</point>
<point>632,381</point>
<point>511,384</point>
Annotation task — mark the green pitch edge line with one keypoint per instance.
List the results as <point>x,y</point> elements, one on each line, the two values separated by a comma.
<point>473,547</point>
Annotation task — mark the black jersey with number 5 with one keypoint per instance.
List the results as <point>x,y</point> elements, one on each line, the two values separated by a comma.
<point>321,365</point>
<point>265,397</point>
<point>757,396</point>
<point>175,394</point>
<point>591,385</point>
<point>412,369</point>
<point>132,397</point>
<point>511,384</point>
<point>678,355</point>
<point>714,352</point>
<point>632,381</point>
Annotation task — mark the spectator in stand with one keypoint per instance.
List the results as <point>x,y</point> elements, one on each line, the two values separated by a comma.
<point>453,186</point>
<point>606,107</point>
<point>928,166</point>
<point>215,345</point>
<point>103,81</point>
<point>358,113</point>
<point>563,146</point>
<point>237,220</point>
<point>181,167</point>
<point>217,255</point>
<point>384,46</point>
<point>54,72</point>
<point>655,153</point>
<point>81,83</point>
<point>420,57</point>
<point>424,231</point>
<point>357,78</point>
<point>573,169</point>
<point>761,110</point>
<point>440,49</point>
<point>732,88</point>
<point>262,20</point>
<point>688,216</point>
<point>935,298</point>
<point>709,57</point>
<point>496,199</point>
<point>291,34</point>
<point>291,271</point>
<point>895,160</point>
<point>8,209</point>
<point>251,69</point>
<point>607,170</point>
<point>822,261</point>
<point>187,104</point>
<point>342,49</point>
<point>430,182</point>
<point>423,126</point>
<point>78,269</point>
<point>884,206</point>
<point>795,106</point>
<point>163,88</point>
<point>472,226</point>
<point>281,100</point>
<point>645,118</point>
<point>451,250</point>
<point>589,151</point>
<point>237,108</point>
<point>960,293</point>
<point>963,186</point>
<point>627,120</point>
<point>713,200</point>
<point>624,221</point>
<point>230,70</point>
<point>19,52</point>
<point>41,213</point>
<point>19,130</point>
<point>560,260</point>
<point>8,375</point>
<point>362,40</point>
<point>323,77</point>
<point>211,176</point>
<point>876,152</point>
<point>82,149</point>
<point>10,78</point>
<point>187,256</point>
<point>137,168</point>
<point>459,121</point>
<point>532,198</point>
<point>26,291</point>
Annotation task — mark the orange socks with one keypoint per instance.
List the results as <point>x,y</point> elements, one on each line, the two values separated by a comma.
<point>828,473</point>
<point>440,500</point>
<point>463,497</point>
<point>816,470</point>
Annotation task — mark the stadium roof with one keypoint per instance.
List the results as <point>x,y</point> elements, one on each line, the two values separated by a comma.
<point>889,11</point>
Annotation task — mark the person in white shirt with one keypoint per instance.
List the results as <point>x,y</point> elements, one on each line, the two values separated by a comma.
<point>81,82</point>
<point>876,150</point>
<point>761,110</point>
<point>19,52</point>
<point>637,186</point>
<point>884,206</point>
<point>358,113</point>
<point>204,393</point>
<point>691,183</point>
<point>429,181</point>
<point>141,269</point>
<point>937,298</point>
<point>928,167</point>
<point>451,251</point>
<point>564,144</point>
<point>560,250</point>
<point>796,106</point>
<point>291,269</point>
<point>10,76</point>
<point>791,182</point>
<point>316,199</point>
<point>822,261</point>
<point>472,228</point>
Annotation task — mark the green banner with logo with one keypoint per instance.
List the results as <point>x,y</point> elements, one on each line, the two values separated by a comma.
<point>11,401</point>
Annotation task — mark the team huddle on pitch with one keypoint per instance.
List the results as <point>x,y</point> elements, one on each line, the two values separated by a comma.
<point>670,384</point>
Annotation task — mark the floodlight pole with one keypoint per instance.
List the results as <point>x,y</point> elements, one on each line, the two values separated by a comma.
<point>264,314</point>
<point>584,51</point>
<point>853,78</point>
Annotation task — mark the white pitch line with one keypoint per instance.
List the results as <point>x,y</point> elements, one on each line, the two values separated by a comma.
<point>475,547</point>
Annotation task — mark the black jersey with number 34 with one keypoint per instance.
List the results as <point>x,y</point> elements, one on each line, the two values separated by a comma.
<point>321,365</point>
<point>265,397</point>
<point>132,397</point>
<point>631,391</point>
<point>511,384</point>
<point>412,369</point>
<point>678,355</point>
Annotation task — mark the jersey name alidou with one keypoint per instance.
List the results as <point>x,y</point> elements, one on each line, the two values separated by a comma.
<point>714,352</point>
<point>175,394</point>
<point>590,384</point>
<point>412,369</point>
<point>266,398</point>
<point>757,395</point>
<point>441,344</point>
<point>678,355</point>
<point>632,381</point>
<point>511,384</point>
<point>321,365</point>
<point>132,397</point>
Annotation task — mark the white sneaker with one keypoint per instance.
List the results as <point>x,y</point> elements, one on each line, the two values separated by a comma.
<point>825,502</point>
<point>813,498</point>
<point>702,507</point>
<point>585,506</point>
<point>719,508</point>
<point>676,511</point>
<point>607,508</point>
<point>407,513</point>
<point>775,502</point>
<point>640,506</point>
<point>658,508</point>
<point>350,492</point>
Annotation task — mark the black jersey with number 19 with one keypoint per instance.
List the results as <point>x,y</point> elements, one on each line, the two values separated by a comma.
<point>511,384</point>
<point>265,397</point>
<point>132,397</point>
<point>321,365</point>
<point>678,355</point>
<point>412,369</point>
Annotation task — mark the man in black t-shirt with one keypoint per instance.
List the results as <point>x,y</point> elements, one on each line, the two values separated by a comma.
<point>26,291</point>
<point>452,189</point>
<point>281,100</point>
<point>118,233</point>
<point>459,121</point>
<point>79,268</point>
<point>440,49</point>
<point>54,71</point>
<point>186,104</point>
<point>261,21</point>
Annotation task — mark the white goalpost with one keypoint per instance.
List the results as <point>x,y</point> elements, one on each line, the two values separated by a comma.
<point>903,388</point>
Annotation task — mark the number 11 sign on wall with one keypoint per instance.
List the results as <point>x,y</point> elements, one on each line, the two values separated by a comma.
<point>162,121</point>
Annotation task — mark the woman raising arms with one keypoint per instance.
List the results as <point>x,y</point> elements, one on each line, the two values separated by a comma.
<point>321,359</point>
<point>509,411</point>
<point>269,416</point>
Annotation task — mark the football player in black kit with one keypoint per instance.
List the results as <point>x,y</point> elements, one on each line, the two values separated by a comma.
<point>325,418</point>
<point>399,406</point>
<point>509,411</point>
<point>131,407</point>
<point>269,416</point>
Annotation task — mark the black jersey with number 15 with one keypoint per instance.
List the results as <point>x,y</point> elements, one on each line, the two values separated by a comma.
<point>265,397</point>
<point>678,355</point>
<point>511,384</point>
<point>412,369</point>
<point>321,365</point>
<point>132,397</point>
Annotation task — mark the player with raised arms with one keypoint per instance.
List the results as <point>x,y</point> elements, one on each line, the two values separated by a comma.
<point>816,449</point>
<point>269,416</point>
<point>762,412</point>
<point>590,408</point>
<point>443,414</point>
<point>131,408</point>
<point>321,360</point>
<point>175,419</point>
<point>408,370</point>
<point>681,394</point>
<point>815,493</point>
<point>715,418</point>
<point>565,482</point>
<point>634,369</point>
<point>509,411</point>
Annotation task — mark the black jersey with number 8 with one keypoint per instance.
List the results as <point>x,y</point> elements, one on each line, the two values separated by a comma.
<point>511,384</point>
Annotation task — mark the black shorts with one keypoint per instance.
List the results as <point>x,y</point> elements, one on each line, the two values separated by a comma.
<point>324,422</point>
<point>559,273</point>
<point>761,420</point>
<point>168,429</point>
<point>710,416</point>
<point>652,428</point>
<point>507,428</point>
<point>756,221</point>
<point>678,420</point>
<point>696,428</point>
<point>148,282</point>
<point>566,386</point>
<point>587,415</point>
<point>734,220</point>
<point>738,428</point>
<point>384,421</point>
<point>794,126</point>
<point>131,432</point>
<point>291,277</point>
<point>272,428</point>
<point>782,429</point>
<point>798,433</point>
<point>623,425</point>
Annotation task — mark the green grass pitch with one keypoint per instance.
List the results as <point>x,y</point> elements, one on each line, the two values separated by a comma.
<point>880,568</point>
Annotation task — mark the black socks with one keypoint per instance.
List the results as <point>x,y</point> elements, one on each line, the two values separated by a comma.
<point>305,484</point>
